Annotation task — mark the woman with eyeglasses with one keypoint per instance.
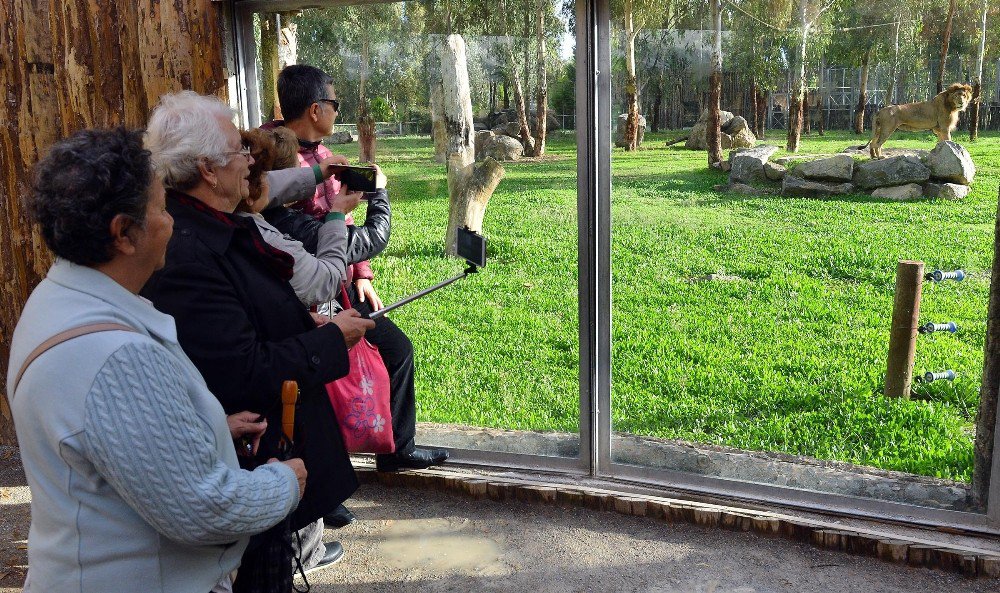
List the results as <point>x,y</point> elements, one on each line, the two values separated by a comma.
<point>238,318</point>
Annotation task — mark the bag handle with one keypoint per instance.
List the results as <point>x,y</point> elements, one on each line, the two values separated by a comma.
<point>61,337</point>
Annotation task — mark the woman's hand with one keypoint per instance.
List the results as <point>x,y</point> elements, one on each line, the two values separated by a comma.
<point>380,178</point>
<point>244,426</point>
<point>319,319</point>
<point>300,472</point>
<point>344,200</point>
<point>332,163</point>
<point>367,291</point>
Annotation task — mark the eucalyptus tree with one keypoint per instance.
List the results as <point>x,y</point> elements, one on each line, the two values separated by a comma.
<point>808,20</point>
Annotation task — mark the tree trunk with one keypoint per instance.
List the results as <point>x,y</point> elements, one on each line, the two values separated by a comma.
<point>470,185</point>
<point>713,132</point>
<point>859,109</point>
<point>631,134</point>
<point>439,132</point>
<point>798,94</point>
<point>541,88</point>
<point>987,414</point>
<point>820,115</point>
<point>657,106</point>
<point>268,65</point>
<point>944,45</point>
<point>524,133</point>
<point>366,123</point>
<point>83,64</point>
<point>890,94</point>
<point>977,85</point>
<point>761,107</point>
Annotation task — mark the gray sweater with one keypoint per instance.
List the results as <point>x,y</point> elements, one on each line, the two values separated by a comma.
<point>134,479</point>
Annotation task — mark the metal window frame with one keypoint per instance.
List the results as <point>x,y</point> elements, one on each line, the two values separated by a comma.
<point>593,113</point>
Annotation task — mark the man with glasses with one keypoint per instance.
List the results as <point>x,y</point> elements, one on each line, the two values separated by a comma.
<point>310,107</point>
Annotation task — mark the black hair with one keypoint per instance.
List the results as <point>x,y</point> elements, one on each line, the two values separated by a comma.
<point>82,184</point>
<point>299,86</point>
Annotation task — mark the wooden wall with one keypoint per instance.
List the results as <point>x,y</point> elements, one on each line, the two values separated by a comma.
<point>72,64</point>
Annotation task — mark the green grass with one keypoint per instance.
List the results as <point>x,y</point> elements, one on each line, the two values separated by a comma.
<point>789,358</point>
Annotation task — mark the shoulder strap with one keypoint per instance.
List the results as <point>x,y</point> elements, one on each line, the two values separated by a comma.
<point>61,337</point>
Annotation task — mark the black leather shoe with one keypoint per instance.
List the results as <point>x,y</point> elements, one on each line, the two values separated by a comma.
<point>417,459</point>
<point>334,552</point>
<point>339,517</point>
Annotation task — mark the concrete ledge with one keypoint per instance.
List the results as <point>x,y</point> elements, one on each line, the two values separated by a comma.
<point>969,561</point>
<point>723,462</point>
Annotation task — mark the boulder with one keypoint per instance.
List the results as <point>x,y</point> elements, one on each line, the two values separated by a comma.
<point>748,163</point>
<point>800,158</point>
<point>887,152</point>
<point>774,171</point>
<point>737,134</point>
<point>503,148</point>
<point>897,170</point>
<point>946,191</point>
<point>343,137</point>
<point>511,129</point>
<point>696,139</point>
<point>900,193</point>
<point>483,138</point>
<point>836,168</point>
<point>804,188</point>
<point>620,132</point>
<point>949,161</point>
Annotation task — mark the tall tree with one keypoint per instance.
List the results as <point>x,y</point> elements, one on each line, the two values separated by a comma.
<point>541,82</point>
<point>809,14</point>
<point>859,109</point>
<point>977,82</point>
<point>278,48</point>
<point>945,40</point>
<point>524,132</point>
<point>713,133</point>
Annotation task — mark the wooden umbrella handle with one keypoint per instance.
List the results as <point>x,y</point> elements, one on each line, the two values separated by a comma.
<point>289,396</point>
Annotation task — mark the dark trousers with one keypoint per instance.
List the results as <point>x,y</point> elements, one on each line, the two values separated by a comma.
<point>397,354</point>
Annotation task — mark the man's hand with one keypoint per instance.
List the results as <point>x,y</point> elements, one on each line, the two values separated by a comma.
<point>352,325</point>
<point>319,319</point>
<point>380,178</point>
<point>343,201</point>
<point>300,472</point>
<point>366,291</point>
<point>244,425</point>
<point>328,165</point>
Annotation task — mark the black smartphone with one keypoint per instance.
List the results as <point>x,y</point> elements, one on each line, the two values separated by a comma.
<point>357,178</point>
<point>471,247</point>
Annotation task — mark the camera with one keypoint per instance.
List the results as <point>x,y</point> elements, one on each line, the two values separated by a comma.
<point>356,178</point>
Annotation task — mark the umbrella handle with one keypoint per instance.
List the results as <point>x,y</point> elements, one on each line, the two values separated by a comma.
<point>289,397</point>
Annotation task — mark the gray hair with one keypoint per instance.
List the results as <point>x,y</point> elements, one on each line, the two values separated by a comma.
<point>184,131</point>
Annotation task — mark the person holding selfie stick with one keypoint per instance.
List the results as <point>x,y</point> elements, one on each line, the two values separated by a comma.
<point>310,106</point>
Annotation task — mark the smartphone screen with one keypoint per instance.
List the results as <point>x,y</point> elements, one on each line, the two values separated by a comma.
<point>357,178</point>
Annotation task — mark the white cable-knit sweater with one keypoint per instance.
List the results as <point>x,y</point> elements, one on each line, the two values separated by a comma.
<point>134,479</point>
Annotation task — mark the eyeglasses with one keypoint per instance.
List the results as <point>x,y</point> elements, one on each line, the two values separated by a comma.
<point>244,151</point>
<point>334,102</point>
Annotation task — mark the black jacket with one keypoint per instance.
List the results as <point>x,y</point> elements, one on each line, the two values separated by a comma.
<point>247,333</point>
<point>363,243</point>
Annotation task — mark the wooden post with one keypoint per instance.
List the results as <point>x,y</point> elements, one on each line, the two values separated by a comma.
<point>903,333</point>
<point>988,393</point>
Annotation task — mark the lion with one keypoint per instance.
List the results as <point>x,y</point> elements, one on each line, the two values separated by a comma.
<point>940,115</point>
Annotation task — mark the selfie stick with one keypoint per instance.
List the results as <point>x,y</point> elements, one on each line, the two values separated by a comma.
<point>472,269</point>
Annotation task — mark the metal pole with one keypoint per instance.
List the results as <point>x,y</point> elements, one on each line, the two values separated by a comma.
<point>903,333</point>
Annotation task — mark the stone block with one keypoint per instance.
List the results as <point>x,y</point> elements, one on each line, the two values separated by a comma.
<point>803,188</point>
<point>836,168</point>
<point>894,171</point>
<point>900,193</point>
<point>946,191</point>
<point>949,161</point>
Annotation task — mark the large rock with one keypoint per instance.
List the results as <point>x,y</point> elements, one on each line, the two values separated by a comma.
<point>774,171</point>
<point>620,132</point>
<point>898,170</point>
<point>793,159</point>
<point>950,161</point>
<point>748,164</point>
<point>503,148</point>
<point>343,137</point>
<point>836,168</point>
<point>862,151</point>
<point>737,134</point>
<point>511,129</point>
<point>900,193</point>
<point>946,191</point>
<point>805,188</point>
<point>696,139</point>
<point>483,138</point>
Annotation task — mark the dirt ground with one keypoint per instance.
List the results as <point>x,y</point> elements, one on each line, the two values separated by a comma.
<point>418,540</point>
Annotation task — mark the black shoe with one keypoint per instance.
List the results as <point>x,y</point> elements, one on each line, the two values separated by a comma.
<point>334,552</point>
<point>416,459</point>
<point>339,517</point>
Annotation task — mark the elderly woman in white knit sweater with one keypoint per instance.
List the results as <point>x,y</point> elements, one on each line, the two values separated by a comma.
<point>130,459</point>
